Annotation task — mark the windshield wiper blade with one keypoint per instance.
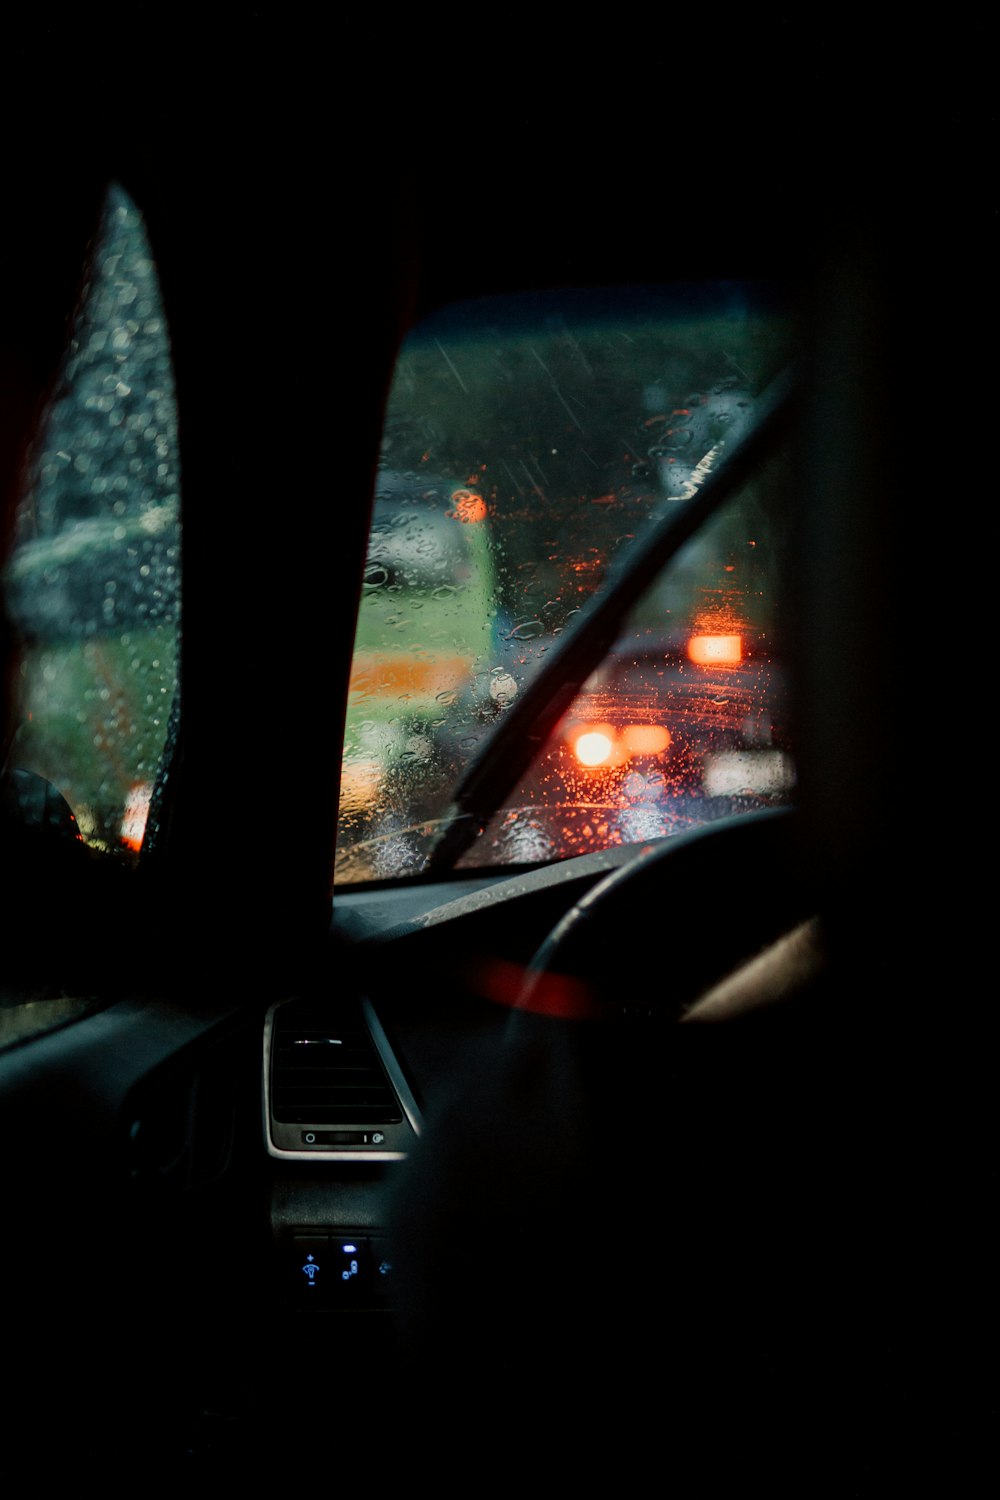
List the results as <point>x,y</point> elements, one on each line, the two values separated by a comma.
<point>530,719</point>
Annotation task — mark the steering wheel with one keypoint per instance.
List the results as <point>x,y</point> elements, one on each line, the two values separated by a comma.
<point>649,938</point>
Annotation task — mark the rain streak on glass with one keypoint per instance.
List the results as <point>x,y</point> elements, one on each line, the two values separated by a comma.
<point>93,578</point>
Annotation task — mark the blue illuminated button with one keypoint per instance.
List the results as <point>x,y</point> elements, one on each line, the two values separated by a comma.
<point>335,1270</point>
<point>382,1266</point>
<point>350,1266</point>
<point>309,1266</point>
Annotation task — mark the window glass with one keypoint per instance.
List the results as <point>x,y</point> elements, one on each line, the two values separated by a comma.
<point>528,443</point>
<point>92,582</point>
<point>686,719</point>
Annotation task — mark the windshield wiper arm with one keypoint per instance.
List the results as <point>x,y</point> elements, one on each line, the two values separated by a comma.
<point>529,720</point>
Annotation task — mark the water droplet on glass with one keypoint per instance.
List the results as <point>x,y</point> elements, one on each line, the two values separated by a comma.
<point>375,576</point>
<point>503,688</point>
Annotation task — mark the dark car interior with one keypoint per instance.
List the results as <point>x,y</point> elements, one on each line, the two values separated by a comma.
<point>728,1219</point>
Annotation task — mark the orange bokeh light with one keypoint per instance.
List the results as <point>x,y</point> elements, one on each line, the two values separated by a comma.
<point>136,813</point>
<point>594,748</point>
<point>715,650</point>
<point>469,506</point>
<point>645,739</point>
<point>594,744</point>
<point>382,673</point>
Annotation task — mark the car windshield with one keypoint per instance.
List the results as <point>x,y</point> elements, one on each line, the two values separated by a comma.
<point>531,445</point>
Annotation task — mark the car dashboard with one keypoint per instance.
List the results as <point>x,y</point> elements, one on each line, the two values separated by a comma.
<point>423,1003</point>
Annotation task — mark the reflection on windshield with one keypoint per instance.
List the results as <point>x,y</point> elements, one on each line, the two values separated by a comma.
<point>521,457</point>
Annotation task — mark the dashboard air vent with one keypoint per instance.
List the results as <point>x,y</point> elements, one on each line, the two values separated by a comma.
<point>332,1084</point>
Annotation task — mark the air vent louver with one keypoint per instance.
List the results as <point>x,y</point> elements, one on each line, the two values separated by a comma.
<point>325,1069</point>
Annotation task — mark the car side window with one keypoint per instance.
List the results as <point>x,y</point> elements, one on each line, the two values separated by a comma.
<point>92,580</point>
